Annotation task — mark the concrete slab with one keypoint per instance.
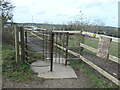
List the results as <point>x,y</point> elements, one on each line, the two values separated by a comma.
<point>59,70</point>
<point>58,60</point>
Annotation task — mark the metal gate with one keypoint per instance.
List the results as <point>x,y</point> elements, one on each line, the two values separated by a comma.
<point>39,42</point>
<point>50,45</point>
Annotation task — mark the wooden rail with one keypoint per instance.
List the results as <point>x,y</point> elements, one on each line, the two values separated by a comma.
<point>114,59</point>
<point>111,57</point>
<point>100,70</point>
<point>114,39</point>
<point>117,40</point>
<point>88,47</point>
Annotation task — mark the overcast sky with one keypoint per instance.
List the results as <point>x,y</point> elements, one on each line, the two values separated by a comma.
<point>63,11</point>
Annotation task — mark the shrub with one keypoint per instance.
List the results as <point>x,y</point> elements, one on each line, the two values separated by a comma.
<point>8,35</point>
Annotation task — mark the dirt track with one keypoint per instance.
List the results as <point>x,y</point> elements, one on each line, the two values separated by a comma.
<point>107,65</point>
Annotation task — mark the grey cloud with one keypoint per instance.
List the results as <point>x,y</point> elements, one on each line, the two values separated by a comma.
<point>92,4</point>
<point>21,10</point>
<point>61,15</point>
<point>41,13</point>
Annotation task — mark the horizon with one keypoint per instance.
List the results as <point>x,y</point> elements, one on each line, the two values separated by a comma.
<point>56,24</point>
<point>50,11</point>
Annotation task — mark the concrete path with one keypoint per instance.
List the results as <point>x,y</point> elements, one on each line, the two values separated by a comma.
<point>59,70</point>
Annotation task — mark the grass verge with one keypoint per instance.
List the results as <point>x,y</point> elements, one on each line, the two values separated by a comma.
<point>16,71</point>
<point>96,81</point>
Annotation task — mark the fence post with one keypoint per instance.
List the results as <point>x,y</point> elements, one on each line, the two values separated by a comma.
<point>51,50</point>
<point>22,44</point>
<point>82,37</point>
<point>17,43</point>
<point>26,48</point>
<point>66,53</point>
<point>103,47</point>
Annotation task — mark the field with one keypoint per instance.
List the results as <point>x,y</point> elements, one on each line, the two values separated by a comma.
<point>93,42</point>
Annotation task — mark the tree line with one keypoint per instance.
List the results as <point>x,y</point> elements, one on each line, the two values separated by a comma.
<point>6,8</point>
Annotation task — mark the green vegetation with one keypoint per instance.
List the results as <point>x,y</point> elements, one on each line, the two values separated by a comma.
<point>21,71</point>
<point>93,42</point>
<point>34,55</point>
<point>95,80</point>
<point>16,71</point>
<point>8,36</point>
<point>7,8</point>
<point>114,49</point>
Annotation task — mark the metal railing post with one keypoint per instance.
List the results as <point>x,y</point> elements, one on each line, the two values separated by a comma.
<point>51,50</point>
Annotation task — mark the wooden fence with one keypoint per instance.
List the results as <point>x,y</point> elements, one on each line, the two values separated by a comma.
<point>103,42</point>
<point>107,39</point>
<point>101,51</point>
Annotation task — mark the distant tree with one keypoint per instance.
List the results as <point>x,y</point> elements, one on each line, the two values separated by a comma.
<point>81,22</point>
<point>98,22</point>
<point>6,8</point>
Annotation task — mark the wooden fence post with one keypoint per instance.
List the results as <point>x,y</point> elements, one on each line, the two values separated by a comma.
<point>82,37</point>
<point>66,52</point>
<point>17,43</point>
<point>26,47</point>
<point>103,47</point>
<point>22,44</point>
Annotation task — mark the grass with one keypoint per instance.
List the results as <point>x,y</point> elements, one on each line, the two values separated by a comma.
<point>95,80</point>
<point>8,35</point>
<point>18,72</point>
<point>114,49</point>
<point>93,42</point>
<point>35,55</point>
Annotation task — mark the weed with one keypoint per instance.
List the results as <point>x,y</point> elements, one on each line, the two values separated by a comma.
<point>8,35</point>
<point>96,81</point>
<point>16,71</point>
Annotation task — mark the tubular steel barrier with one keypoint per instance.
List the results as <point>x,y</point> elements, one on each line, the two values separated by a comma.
<point>45,45</point>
